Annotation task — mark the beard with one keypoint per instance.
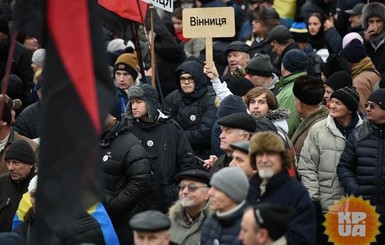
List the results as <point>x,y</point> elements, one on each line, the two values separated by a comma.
<point>187,202</point>
<point>265,173</point>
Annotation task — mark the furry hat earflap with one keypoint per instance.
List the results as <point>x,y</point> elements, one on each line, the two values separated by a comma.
<point>269,142</point>
<point>370,10</point>
<point>146,93</point>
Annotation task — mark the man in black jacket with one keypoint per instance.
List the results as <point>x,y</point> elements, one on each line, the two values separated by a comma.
<point>192,105</point>
<point>169,149</point>
<point>361,166</point>
<point>126,173</point>
<point>21,161</point>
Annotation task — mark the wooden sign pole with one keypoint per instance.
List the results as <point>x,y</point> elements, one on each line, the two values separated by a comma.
<point>209,52</point>
<point>153,77</point>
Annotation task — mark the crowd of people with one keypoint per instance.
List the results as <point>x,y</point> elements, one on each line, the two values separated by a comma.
<point>253,148</point>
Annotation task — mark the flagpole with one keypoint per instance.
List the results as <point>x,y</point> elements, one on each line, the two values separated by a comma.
<point>153,82</point>
<point>138,50</point>
<point>149,45</point>
<point>8,67</point>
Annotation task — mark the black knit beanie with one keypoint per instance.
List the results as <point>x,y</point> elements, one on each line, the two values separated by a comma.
<point>21,151</point>
<point>354,52</point>
<point>348,96</point>
<point>378,97</point>
<point>295,60</point>
<point>339,79</point>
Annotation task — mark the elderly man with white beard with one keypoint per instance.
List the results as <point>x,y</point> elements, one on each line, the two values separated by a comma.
<point>272,160</point>
<point>190,211</point>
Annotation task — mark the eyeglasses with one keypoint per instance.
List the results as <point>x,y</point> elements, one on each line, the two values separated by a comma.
<point>186,79</point>
<point>372,106</point>
<point>190,187</point>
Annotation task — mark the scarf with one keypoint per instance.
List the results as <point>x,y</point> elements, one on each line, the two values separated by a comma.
<point>181,37</point>
<point>377,40</point>
<point>364,65</point>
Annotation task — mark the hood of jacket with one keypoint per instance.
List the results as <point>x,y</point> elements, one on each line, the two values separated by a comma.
<point>195,68</point>
<point>117,129</point>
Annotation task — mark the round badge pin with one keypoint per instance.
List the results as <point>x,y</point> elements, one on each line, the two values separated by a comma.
<point>105,158</point>
<point>193,118</point>
<point>150,143</point>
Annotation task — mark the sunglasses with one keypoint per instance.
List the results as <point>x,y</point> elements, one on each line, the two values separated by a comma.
<point>191,187</point>
<point>372,106</point>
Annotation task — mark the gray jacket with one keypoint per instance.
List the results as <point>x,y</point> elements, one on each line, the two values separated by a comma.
<point>318,161</point>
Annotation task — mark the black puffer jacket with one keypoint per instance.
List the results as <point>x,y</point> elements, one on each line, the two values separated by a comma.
<point>195,112</point>
<point>126,171</point>
<point>170,153</point>
<point>361,169</point>
<point>29,120</point>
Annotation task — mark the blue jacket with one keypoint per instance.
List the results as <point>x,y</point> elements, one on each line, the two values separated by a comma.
<point>225,230</point>
<point>283,190</point>
<point>361,169</point>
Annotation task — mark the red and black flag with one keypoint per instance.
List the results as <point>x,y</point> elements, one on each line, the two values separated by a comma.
<point>120,16</point>
<point>78,92</point>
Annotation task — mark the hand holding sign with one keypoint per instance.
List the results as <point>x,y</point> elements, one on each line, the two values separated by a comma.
<point>208,23</point>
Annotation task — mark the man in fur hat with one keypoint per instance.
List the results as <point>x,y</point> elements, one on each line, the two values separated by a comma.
<point>270,158</point>
<point>373,19</point>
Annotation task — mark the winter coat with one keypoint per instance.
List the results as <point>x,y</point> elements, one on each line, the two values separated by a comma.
<point>365,83</point>
<point>303,129</point>
<point>122,97</point>
<point>312,6</point>
<point>194,46</point>
<point>126,171</point>
<point>283,190</point>
<point>181,233</point>
<point>361,168</point>
<point>97,211</point>
<point>318,161</point>
<point>377,55</point>
<point>195,112</point>
<point>169,52</point>
<point>286,100</point>
<point>27,228</point>
<point>170,153</point>
<point>223,230</point>
<point>29,120</point>
<point>11,193</point>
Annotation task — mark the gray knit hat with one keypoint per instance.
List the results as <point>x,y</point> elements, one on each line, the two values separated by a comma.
<point>260,65</point>
<point>38,57</point>
<point>233,182</point>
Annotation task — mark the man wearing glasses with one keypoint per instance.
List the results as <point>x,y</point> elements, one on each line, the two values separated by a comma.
<point>191,210</point>
<point>192,105</point>
<point>361,169</point>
